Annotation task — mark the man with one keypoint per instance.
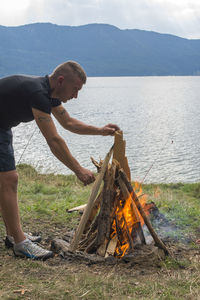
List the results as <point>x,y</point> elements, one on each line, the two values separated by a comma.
<point>22,99</point>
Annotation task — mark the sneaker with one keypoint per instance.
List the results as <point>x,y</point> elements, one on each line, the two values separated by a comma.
<point>30,250</point>
<point>9,240</point>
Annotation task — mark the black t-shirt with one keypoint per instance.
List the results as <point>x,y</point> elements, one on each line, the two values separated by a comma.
<point>19,94</point>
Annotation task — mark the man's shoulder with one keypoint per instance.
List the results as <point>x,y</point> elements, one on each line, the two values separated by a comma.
<point>33,83</point>
<point>22,78</point>
<point>27,83</point>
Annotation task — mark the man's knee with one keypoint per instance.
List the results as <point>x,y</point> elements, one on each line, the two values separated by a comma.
<point>9,180</point>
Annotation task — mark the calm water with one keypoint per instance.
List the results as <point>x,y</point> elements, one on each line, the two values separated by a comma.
<point>160,118</point>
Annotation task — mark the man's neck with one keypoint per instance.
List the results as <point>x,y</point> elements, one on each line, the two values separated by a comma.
<point>52,86</point>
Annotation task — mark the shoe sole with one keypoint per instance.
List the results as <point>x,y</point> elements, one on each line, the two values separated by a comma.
<point>43,258</point>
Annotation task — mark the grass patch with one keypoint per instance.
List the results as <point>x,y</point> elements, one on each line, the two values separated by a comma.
<point>179,202</point>
<point>46,197</point>
<point>43,200</point>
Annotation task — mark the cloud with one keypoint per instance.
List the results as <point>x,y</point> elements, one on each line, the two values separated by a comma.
<point>180,17</point>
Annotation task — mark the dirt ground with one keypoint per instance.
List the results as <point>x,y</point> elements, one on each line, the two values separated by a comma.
<point>147,274</point>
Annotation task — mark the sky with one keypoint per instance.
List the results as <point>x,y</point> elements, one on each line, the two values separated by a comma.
<point>177,17</point>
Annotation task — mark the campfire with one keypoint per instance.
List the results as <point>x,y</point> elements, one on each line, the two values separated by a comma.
<point>113,219</point>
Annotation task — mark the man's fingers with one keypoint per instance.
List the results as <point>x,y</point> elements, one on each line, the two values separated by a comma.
<point>113,126</point>
<point>112,131</point>
<point>89,181</point>
<point>109,131</point>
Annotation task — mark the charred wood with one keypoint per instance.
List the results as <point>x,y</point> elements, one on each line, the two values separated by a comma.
<point>104,222</point>
<point>87,241</point>
<point>58,245</point>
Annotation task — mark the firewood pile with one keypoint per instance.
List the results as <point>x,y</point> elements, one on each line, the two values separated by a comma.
<point>114,225</point>
<point>113,219</point>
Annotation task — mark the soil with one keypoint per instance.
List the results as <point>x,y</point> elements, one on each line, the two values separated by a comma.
<point>145,259</point>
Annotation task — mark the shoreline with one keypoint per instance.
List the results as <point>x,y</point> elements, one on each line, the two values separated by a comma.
<point>21,165</point>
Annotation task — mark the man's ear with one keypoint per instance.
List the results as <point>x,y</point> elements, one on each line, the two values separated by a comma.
<point>60,80</point>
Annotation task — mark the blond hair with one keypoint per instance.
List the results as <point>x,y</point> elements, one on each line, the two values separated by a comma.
<point>70,69</point>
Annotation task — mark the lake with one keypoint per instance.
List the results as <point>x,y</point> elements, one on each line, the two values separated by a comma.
<point>159,116</point>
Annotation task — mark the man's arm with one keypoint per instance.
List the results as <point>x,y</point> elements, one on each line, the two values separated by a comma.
<point>59,147</point>
<point>79,127</point>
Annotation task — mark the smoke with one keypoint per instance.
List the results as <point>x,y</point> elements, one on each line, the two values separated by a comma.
<point>167,229</point>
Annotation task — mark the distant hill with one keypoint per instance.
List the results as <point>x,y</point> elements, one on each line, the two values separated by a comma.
<point>103,50</point>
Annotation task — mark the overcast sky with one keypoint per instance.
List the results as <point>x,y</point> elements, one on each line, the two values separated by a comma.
<point>178,17</point>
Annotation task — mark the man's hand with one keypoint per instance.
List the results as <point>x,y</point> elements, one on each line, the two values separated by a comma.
<point>109,129</point>
<point>85,175</point>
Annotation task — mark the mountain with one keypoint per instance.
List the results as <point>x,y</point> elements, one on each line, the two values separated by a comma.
<point>102,49</point>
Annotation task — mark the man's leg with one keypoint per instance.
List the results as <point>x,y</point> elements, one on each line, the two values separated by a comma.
<point>9,241</point>
<point>9,208</point>
<point>9,205</point>
<point>22,245</point>
<point>8,187</point>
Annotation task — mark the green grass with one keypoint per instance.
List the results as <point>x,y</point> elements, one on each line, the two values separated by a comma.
<point>43,200</point>
<point>46,197</point>
<point>179,202</point>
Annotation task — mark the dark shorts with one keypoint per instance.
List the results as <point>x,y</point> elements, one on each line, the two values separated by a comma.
<point>7,160</point>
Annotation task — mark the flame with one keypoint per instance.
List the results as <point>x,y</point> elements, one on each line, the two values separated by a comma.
<point>127,218</point>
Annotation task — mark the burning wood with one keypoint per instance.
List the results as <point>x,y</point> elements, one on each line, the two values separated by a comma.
<point>112,221</point>
<point>158,242</point>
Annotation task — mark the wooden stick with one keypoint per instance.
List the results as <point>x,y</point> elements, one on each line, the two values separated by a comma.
<point>102,249</point>
<point>94,211</point>
<point>128,233</point>
<point>138,231</point>
<point>58,245</point>
<point>104,224</point>
<point>77,208</point>
<point>119,152</point>
<point>84,244</point>
<point>157,240</point>
<point>126,195</point>
<point>88,209</point>
<point>111,247</point>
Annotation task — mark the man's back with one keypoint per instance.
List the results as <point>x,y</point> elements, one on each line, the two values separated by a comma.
<point>18,94</point>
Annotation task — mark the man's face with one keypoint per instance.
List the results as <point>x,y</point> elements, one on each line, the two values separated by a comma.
<point>69,89</point>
